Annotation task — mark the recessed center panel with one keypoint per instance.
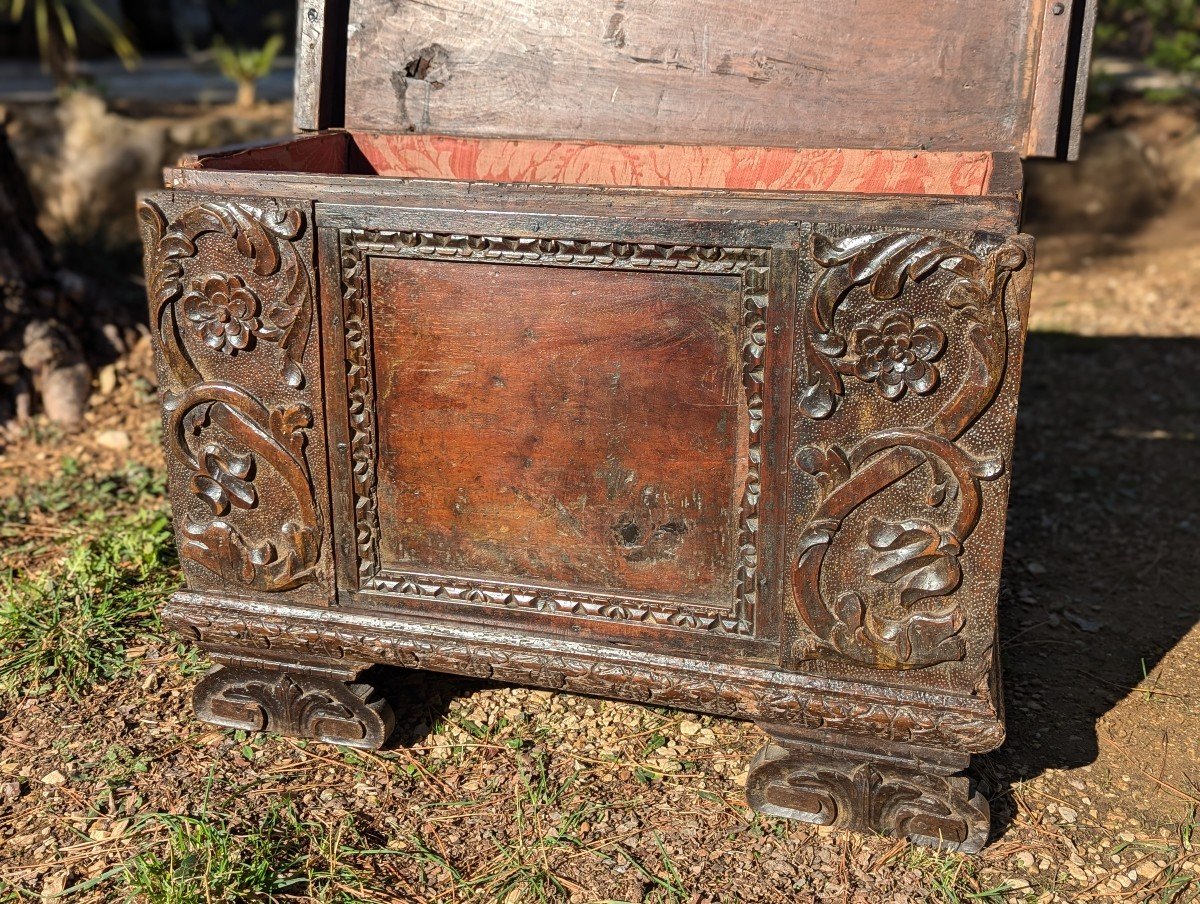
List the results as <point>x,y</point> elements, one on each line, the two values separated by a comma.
<point>561,425</point>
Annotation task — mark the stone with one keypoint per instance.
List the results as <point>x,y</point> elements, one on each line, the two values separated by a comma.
<point>116,440</point>
<point>106,379</point>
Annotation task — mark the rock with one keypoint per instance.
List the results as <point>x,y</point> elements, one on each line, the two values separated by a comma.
<point>54,778</point>
<point>84,162</point>
<point>1025,860</point>
<point>1184,165</point>
<point>1067,815</point>
<point>688,728</point>
<point>116,440</point>
<point>63,379</point>
<point>1083,624</point>
<point>1148,869</point>
<point>106,380</point>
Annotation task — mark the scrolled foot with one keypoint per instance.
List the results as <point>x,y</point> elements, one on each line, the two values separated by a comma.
<point>294,703</point>
<point>927,803</point>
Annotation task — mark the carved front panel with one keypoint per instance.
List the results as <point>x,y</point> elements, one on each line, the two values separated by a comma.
<point>906,367</point>
<point>556,428</point>
<point>232,300</point>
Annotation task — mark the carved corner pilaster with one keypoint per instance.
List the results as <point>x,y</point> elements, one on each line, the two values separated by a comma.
<point>296,703</point>
<point>919,794</point>
<point>907,353</point>
<point>230,283</point>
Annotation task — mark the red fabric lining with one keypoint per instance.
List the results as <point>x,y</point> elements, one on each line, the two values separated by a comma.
<point>874,171</point>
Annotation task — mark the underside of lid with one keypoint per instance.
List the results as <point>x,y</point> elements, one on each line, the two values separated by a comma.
<point>997,75</point>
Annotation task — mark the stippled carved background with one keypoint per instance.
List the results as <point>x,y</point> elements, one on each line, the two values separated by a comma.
<point>232,306</point>
<point>907,362</point>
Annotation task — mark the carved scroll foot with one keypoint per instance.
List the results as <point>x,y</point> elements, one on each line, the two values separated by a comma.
<point>916,793</point>
<point>296,703</point>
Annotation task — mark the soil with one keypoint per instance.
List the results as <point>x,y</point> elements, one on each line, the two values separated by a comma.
<point>1092,795</point>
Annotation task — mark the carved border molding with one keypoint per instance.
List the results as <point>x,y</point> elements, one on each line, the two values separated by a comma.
<point>203,414</point>
<point>751,264</point>
<point>915,557</point>
<point>764,694</point>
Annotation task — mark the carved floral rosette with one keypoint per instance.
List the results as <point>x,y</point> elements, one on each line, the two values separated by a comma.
<point>231,301</point>
<point>904,344</point>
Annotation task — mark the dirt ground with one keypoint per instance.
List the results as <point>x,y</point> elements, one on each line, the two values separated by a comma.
<point>495,793</point>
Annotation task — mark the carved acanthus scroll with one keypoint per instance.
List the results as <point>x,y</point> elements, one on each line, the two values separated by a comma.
<point>216,431</point>
<point>823,786</point>
<point>915,559</point>
<point>296,703</point>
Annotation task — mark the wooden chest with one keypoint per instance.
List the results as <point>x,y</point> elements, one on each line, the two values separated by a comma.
<point>658,349</point>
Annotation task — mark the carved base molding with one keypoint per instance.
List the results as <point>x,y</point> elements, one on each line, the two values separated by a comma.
<point>905,791</point>
<point>235,630</point>
<point>296,703</point>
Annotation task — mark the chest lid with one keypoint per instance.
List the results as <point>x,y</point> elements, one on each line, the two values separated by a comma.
<point>994,75</point>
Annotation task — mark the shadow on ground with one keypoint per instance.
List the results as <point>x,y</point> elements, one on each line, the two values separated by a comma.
<point>1103,560</point>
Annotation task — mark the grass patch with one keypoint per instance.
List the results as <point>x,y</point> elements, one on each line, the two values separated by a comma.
<point>217,859</point>
<point>951,878</point>
<point>104,562</point>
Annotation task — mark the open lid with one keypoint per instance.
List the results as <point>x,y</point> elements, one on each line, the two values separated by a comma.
<point>995,75</point>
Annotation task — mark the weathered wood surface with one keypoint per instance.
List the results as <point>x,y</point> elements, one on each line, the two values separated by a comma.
<point>281,633</point>
<point>581,427</point>
<point>456,201</point>
<point>949,74</point>
<point>320,64</point>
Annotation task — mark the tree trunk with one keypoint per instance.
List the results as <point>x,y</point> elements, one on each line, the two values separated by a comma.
<point>39,355</point>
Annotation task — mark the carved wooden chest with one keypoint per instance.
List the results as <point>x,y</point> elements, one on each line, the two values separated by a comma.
<point>657,350</point>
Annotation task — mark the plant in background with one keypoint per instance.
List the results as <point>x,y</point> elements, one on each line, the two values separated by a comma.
<point>1165,33</point>
<point>245,66</point>
<point>57,24</point>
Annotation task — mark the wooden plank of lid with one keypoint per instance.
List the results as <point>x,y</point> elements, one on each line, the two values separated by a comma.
<point>940,74</point>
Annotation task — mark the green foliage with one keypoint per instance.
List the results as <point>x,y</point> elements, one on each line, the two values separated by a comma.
<point>57,23</point>
<point>1165,33</point>
<point>211,858</point>
<point>67,624</point>
<point>246,65</point>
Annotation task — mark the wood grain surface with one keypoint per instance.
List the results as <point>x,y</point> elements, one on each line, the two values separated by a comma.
<point>946,74</point>
<point>565,425</point>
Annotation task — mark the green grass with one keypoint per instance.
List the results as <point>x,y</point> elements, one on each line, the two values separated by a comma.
<point>951,878</point>
<point>212,858</point>
<point>102,562</point>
